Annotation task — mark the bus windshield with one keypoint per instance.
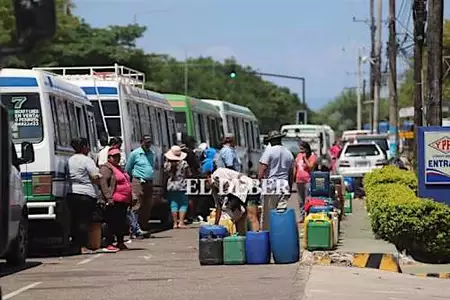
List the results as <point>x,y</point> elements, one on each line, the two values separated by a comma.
<point>25,116</point>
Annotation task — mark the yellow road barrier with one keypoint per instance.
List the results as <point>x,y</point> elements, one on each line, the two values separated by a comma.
<point>442,275</point>
<point>380,261</point>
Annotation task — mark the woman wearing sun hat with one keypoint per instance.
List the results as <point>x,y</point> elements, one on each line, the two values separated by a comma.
<point>177,171</point>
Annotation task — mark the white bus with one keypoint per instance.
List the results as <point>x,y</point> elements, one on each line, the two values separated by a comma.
<point>123,108</point>
<point>243,125</point>
<point>320,137</point>
<point>48,112</point>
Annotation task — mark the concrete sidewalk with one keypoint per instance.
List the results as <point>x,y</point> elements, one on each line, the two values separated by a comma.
<point>339,283</point>
<point>356,233</point>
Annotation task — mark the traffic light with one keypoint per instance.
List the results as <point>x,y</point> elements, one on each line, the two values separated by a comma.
<point>232,72</point>
<point>302,117</point>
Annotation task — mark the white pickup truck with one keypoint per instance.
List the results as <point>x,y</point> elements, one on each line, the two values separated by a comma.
<point>14,214</point>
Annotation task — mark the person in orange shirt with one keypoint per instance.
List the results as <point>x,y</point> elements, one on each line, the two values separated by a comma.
<point>305,162</point>
<point>334,153</point>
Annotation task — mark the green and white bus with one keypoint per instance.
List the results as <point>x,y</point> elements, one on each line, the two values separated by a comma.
<point>194,117</point>
<point>240,121</point>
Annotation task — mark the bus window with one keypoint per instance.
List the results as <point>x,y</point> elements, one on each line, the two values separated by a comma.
<point>230,125</point>
<point>147,116</point>
<point>72,120</point>
<point>202,127</point>
<point>214,138</point>
<point>145,120</point>
<point>110,108</point>
<point>164,128</point>
<point>136,121</point>
<point>221,130</point>
<point>243,132</point>
<point>168,128</point>
<point>180,118</point>
<point>155,126</point>
<point>111,113</point>
<point>81,121</point>
<point>248,135</point>
<point>64,125</point>
<point>237,135</point>
<point>92,133</point>
<point>159,127</point>
<point>258,141</point>
<point>55,120</point>
<point>98,118</point>
<point>196,131</point>
<point>252,133</point>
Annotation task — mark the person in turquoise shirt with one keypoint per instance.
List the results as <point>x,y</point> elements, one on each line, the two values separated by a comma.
<point>140,167</point>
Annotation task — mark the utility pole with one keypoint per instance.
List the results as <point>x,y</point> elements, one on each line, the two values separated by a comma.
<point>434,51</point>
<point>358,91</point>
<point>419,39</point>
<point>377,86</point>
<point>373,29</point>
<point>393,100</point>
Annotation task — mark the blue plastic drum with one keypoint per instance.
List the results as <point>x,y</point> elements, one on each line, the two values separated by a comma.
<point>284,240</point>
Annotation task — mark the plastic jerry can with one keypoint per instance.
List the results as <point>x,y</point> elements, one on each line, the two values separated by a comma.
<point>257,247</point>
<point>319,234</point>
<point>234,250</point>
<point>210,251</point>
<point>283,234</point>
<point>308,218</point>
<point>318,209</point>
<point>215,231</point>
<point>224,221</point>
<point>348,199</point>
<point>335,227</point>
<point>320,184</point>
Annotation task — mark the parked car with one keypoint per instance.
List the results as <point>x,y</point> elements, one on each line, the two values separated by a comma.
<point>380,139</point>
<point>357,159</point>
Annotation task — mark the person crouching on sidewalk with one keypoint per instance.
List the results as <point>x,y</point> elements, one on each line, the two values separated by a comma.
<point>116,191</point>
<point>177,171</point>
<point>232,202</point>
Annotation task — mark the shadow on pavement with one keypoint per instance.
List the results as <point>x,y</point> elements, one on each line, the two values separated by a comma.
<point>6,269</point>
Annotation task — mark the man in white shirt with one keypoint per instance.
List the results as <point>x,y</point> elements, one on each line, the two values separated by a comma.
<point>102,157</point>
<point>276,167</point>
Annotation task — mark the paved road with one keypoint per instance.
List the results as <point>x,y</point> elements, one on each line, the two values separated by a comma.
<point>165,267</point>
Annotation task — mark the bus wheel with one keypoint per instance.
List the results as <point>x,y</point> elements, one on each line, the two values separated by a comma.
<point>17,253</point>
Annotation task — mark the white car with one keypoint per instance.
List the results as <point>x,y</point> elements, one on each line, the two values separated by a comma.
<point>357,159</point>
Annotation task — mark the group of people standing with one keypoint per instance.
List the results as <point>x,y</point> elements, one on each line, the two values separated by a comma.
<point>110,191</point>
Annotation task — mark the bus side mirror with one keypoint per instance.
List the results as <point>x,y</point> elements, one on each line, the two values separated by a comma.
<point>35,21</point>
<point>27,153</point>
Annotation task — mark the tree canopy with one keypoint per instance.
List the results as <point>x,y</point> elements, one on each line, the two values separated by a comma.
<point>77,43</point>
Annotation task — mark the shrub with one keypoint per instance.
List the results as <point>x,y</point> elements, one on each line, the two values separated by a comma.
<point>419,226</point>
<point>391,174</point>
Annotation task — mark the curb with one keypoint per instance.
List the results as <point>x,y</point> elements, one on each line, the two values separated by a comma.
<point>441,275</point>
<point>380,261</point>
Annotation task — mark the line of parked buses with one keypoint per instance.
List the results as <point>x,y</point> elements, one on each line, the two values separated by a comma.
<point>50,106</point>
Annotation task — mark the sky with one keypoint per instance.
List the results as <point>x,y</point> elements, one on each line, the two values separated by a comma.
<point>314,39</point>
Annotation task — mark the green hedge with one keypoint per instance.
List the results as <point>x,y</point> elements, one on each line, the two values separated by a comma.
<point>419,226</point>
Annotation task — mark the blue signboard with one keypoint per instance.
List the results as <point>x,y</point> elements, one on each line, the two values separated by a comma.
<point>434,163</point>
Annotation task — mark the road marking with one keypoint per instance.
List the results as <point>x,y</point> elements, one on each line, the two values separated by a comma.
<point>88,260</point>
<point>21,290</point>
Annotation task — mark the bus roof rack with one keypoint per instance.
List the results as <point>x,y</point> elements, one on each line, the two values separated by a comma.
<point>108,73</point>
